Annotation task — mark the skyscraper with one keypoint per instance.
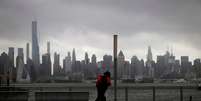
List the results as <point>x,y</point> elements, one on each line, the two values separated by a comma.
<point>93,59</point>
<point>86,58</point>
<point>197,65</point>
<point>149,64</point>
<point>126,70</point>
<point>120,64</point>
<point>48,60</point>
<point>27,51</point>
<point>67,63</point>
<point>93,66</point>
<point>185,66</point>
<point>149,55</point>
<point>135,65</point>
<point>12,70</point>
<point>107,63</point>
<point>184,59</point>
<point>73,68</point>
<point>171,64</point>
<point>35,46</point>
<point>56,66</point>
<point>4,64</point>
<point>73,56</point>
<point>20,64</point>
<point>160,66</point>
<point>45,68</point>
<point>26,70</point>
<point>21,53</point>
<point>11,56</point>
<point>48,47</point>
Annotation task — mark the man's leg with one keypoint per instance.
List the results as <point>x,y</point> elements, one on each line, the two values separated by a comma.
<point>104,98</point>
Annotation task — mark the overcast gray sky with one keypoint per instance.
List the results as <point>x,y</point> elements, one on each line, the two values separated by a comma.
<point>88,25</point>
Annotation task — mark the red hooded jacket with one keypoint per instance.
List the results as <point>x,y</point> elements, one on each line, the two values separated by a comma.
<point>100,80</point>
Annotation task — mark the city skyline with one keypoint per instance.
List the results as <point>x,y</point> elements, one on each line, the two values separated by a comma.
<point>81,56</point>
<point>166,66</point>
<point>90,55</point>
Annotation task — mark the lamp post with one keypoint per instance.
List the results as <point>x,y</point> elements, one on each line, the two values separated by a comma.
<point>115,66</point>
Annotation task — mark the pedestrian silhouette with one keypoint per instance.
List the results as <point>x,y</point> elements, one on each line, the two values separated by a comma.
<point>102,83</point>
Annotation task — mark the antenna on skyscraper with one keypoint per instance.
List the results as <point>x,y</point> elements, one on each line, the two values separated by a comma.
<point>48,47</point>
<point>167,48</point>
<point>38,31</point>
<point>171,50</point>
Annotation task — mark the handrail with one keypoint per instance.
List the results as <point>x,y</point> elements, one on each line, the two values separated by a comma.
<point>120,86</point>
<point>126,88</point>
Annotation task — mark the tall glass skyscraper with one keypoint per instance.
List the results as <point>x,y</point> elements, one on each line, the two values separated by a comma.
<point>35,46</point>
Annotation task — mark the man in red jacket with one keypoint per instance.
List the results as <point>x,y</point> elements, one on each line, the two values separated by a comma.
<point>102,83</point>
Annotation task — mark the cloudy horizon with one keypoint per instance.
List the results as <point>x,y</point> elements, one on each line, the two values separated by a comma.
<point>88,26</point>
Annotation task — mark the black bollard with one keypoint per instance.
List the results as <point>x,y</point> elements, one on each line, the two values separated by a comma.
<point>8,80</point>
<point>190,98</point>
<point>0,80</point>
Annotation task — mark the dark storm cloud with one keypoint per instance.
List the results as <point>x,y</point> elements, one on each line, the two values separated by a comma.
<point>176,21</point>
<point>128,17</point>
<point>143,15</point>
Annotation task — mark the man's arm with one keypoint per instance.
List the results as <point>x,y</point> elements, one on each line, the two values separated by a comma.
<point>98,81</point>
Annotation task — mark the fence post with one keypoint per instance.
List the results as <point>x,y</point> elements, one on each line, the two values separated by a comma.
<point>154,91</point>
<point>126,94</point>
<point>70,89</point>
<point>190,98</point>
<point>181,94</point>
<point>31,96</point>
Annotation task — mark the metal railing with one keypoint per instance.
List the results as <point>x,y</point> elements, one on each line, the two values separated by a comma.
<point>132,92</point>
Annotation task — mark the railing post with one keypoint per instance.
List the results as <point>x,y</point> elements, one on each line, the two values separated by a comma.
<point>8,79</point>
<point>70,89</point>
<point>190,98</point>
<point>154,92</point>
<point>31,96</point>
<point>126,94</point>
<point>181,94</point>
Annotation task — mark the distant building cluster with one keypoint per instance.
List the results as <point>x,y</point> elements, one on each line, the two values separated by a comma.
<point>165,66</point>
